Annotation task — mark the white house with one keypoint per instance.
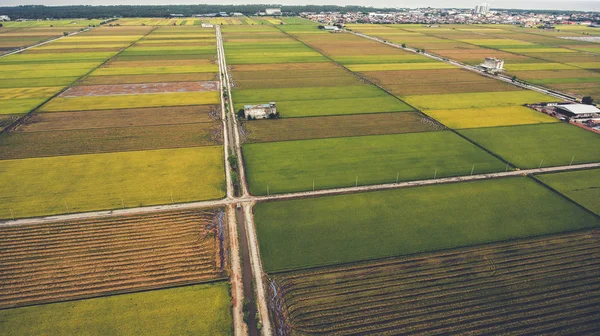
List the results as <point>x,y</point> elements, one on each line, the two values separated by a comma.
<point>4,18</point>
<point>493,64</point>
<point>206,25</point>
<point>260,111</point>
<point>273,11</point>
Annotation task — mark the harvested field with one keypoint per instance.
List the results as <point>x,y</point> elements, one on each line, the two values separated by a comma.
<point>581,186</point>
<point>67,260</point>
<point>79,183</point>
<point>337,126</point>
<point>422,77</point>
<point>132,63</point>
<point>283,67</point>
<point>63,121</point>
<point>400,66</point>
<point>61,104</point>
<point>124,89</point>
<point>546,145</point>
<point>348,228</point>
<point>540,286</point>
<point>102,80</point>
<point>190,310</point>
<point>337,162</point>
<point>21,145</point>
<point>155,70</point>
<point>489,117</point>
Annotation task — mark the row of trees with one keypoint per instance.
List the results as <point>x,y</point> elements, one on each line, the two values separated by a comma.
<point>71,12</point>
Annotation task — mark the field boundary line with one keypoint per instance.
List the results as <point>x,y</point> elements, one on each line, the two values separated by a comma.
<point>19,120</point>
<point>547,186</point>
<point>460,249</point>
<point>120,292</point>
<point>398,98</point>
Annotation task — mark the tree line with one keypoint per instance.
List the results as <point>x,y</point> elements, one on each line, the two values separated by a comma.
<point>92,12</point>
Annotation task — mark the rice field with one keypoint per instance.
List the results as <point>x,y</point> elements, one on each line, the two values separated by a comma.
<point>304,233</point>
<point>581,186</point>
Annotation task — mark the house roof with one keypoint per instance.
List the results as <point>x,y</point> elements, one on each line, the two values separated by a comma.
<point>259,105</point>
<point>579,108</point>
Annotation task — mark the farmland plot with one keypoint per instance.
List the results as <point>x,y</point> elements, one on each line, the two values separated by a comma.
<point>341,162</point>
<point>67,260</point>
<point>201,309</point>
<point>347,228</point>
<point>542,286</point>
<point>581,186</point>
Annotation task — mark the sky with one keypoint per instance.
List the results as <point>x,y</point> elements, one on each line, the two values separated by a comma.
<point>581,5</point>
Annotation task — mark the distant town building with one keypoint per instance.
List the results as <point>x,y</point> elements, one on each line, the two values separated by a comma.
<point>4,18</point>
<point>237,14</point>
<point>206,25</point>
<point>579,112</point>
<point>176,15</point>
<point>261,111</point>
<point>331,28</point>
<point>273,11</point>
<point>482,9</point>
<point>493,64</point>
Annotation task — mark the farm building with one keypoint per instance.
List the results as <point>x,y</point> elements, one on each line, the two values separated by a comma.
<point>579,111</point>
<point>273,11</point>
<point>206,25</point>
<point>492,64</point>
<point>4,18</point>
<point>260,111</point>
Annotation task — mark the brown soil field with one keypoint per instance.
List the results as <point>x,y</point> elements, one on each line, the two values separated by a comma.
<point>132,63</point>
<point>568,58</point>
<point>337,126</point>
<point>541,74</point>
<point>542,286</point>
<point>19,145</point>
<point>63,121</point>
<point>297,82</point>
<point>67,260</point>
<point>7,119</point>
<point>450,87</point>
<point>481,54</point>
<point>284,67</point>
<point>183,43</point>
<point>416,77</point>
<point>579,89</point>
<point>146,88</point>
<point>131,79</point>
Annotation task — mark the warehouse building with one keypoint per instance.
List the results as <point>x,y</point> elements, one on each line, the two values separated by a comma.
<point>273,11</point>
<point>492,64</point>
<point>579,112</point>
<point>260,111</point>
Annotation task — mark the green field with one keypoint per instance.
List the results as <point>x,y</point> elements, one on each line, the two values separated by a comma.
<point>155,70</point>
<point>293,165</point>
<point>582,186</point>
<point>527,145</point>
<point>190,310</point>
<point>400,66</point>
<point>312,232</point>
<point>85,103</point>
<point>54,185</point>
<point>310,93</point>
<point>476,100</point>
<point>312,108</point>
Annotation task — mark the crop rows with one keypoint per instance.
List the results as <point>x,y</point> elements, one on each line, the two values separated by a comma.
<point>542,285</point>
<point>65,260</point>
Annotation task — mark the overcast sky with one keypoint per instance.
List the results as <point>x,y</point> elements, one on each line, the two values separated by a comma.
<point>583,5</point>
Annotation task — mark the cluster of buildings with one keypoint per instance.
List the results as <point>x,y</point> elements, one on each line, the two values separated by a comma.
<point>480,14</point>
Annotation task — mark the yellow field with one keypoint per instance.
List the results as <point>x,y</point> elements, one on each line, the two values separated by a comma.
<point>476,100</point>
<point>131,101</point>
<point>488,117</point>
<point>587,65</point>
<point>54,185</point>
<point>400,66</point>
<point>81,46</point>
<point>539,50</point>
<point>19,106</point>
<point>35,92</point>
<point>155,70</point>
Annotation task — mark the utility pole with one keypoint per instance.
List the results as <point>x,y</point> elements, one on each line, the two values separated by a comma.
<point>472,169</point>
<point>356,183</point>
<point>573,158</point>
<point>435,174</point>
<point>541,162</point>
<point>122,203</point>
<point>11,214</point>
<point>397,176</point>
<point>313,185</point>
